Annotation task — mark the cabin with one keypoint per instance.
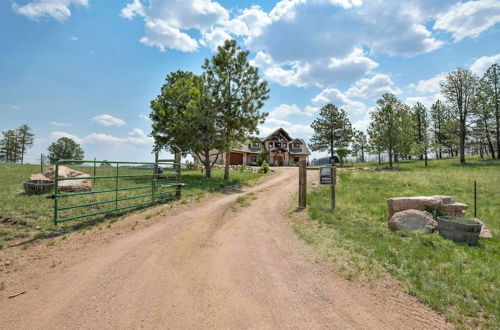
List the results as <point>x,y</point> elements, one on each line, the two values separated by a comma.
<point>280,148</point>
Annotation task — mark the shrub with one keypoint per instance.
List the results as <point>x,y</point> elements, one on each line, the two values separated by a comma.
<point>242,168</point>
<point>264,168</point>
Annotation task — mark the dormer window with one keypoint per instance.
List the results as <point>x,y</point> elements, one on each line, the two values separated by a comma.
<point>277,144</point>
<point>255,144</point>
<point>296,145</point>
<point>270,144</point>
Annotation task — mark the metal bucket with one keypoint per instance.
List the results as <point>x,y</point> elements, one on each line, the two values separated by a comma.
<point>38,187</point>
<point>459,229</point>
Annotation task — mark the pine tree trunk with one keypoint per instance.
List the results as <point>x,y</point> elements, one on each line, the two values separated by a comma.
<point>208,168</point>
<point>226,167</point>
<point>462,141</point>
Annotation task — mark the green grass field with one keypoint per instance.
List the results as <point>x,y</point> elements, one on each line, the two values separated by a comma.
<point>460,281</point>
<point>32,210</point>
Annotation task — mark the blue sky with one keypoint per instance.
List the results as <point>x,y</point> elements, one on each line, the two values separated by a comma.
<point>88,69</point>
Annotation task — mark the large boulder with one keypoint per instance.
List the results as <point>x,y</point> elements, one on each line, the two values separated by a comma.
<point>398,204</point>
<point>413,220</point>
<point>445,203</point>
<point>38,177</point>
<point>70,185</point>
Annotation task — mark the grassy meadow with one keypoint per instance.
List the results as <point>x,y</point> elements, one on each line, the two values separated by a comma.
<point>459,281</point>
<point>30,211</point>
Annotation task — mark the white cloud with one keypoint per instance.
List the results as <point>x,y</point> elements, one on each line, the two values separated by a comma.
<point>296,130</point>
<point>431,85</point>
<point>373,87</point>
<point>73,38</point>
<point>428,100</point>
<point>145,117</point>
<point>15,107</point>
<point>283,111</point>
<point>167,22</point>
<point>57,9</point>
<point>469,19</point>
<point>336,97</point>
<point>55,123</point>
<point>135,137</point>
<point>108,120</point>
<point>482,64</point>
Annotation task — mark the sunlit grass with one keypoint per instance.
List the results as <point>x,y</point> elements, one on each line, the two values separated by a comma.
<point>460,281</point>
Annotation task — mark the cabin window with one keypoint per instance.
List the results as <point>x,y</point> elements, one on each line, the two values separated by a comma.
<point>278,144</point>
<point>255,144</point>
<point>270,144</point>
<point>296,145</point>
<point>253,158</point>
<point>296,159</point>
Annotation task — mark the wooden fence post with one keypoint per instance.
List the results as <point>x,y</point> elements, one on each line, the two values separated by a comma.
<point>178,175</point>
<point>302,184</point>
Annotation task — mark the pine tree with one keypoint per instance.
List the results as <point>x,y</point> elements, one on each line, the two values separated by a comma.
<point>238,94</point>
<point>183,117</point>
<point>359,144</point>
<point>459,88</point>
<point>391,127</point>
<point>491,81</point>
<point>26,138</point>
<point>332,131</point>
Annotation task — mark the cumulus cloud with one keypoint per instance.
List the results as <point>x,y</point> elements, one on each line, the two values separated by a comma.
<point>431,85</point>
<point>57,9</point>
<point>135,137</point>
<point>482,64</point>
<point>283,111</point>
<point>427,100</point>
<point>469,19</point>
<point>108,120</point>
<point>335,96</point>
<point>373,87</point>
<point>167,22</point>
<point>296,130</point>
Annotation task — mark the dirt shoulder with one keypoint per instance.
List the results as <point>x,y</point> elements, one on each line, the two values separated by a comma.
<point>229,261</point>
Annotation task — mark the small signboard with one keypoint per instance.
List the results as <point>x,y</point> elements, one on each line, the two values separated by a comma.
<point>327,175</point>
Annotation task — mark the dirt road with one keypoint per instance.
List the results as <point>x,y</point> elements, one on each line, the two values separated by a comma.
<point>211,266</point>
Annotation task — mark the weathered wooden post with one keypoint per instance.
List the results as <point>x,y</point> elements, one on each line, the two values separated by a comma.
<point>302,184</point>
<point>178,175</point>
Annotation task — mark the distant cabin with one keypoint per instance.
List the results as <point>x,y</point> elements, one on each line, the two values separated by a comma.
<point>280,148</point>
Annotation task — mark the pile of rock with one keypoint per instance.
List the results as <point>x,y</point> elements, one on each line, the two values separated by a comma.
<point>355,169</point>
<point>65,185</point>
<point>411,213</point>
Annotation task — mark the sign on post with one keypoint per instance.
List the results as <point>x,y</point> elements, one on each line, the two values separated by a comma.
<point>328,177</point>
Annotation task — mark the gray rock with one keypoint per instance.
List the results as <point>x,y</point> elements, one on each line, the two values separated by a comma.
<point>412,220</point>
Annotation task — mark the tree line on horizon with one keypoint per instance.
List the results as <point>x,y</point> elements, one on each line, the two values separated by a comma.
<point>468,120</point>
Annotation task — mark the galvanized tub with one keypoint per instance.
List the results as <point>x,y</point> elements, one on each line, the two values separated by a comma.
<point>38,187</point>
<point>459,229</point>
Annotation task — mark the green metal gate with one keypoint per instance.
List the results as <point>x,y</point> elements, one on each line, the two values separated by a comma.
<point>149,184</point>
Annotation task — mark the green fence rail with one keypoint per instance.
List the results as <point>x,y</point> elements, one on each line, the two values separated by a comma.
<point>163,184</point>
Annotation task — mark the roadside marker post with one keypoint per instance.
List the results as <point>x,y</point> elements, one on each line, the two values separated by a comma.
<point>328,177</point>
<point>302,184</point>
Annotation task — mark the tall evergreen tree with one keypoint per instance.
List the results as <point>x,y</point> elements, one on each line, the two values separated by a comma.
<point>484,112</point>
<point>332,131</point>
<point>359,144</point>
<point>459,88</point>
<point>422,125</point>
<point>238,94</point>
<point>184,117</point>
<point>10,146</point>
<point>26,138</point>
<point>390,127</point>
<point>492,84</point>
